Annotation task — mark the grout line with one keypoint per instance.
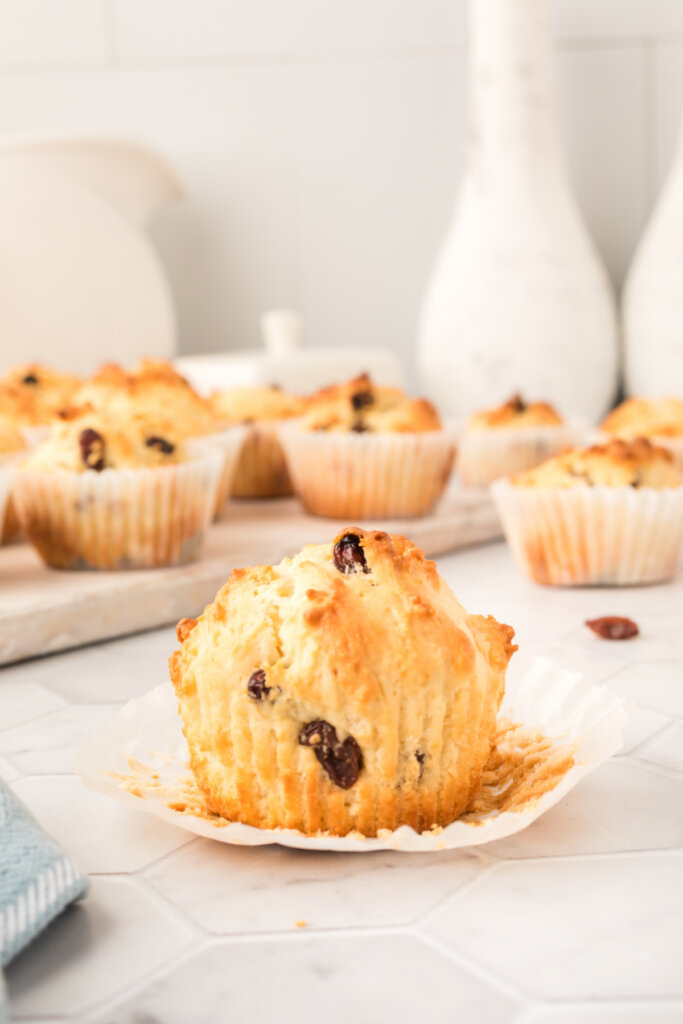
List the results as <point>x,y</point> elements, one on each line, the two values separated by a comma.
<point>652,766</point>
<point>477,970</point>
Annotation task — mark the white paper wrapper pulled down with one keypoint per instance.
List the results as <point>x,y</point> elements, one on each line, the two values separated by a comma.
<point>565,727</point>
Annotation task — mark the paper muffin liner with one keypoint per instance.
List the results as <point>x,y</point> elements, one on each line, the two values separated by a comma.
<point>262,467</point>
<point>6,474</point>
<point>120,519</point>
<point>353,476</point>
<point>486,455</point>
<point>554,727</point>
<point>569,536</point>
<point>229,442</point>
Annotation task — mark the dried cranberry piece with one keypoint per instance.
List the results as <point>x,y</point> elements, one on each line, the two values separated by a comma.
<point>341,761</point>
<point>613,627</point>
<point>256,687</point>
<point>92,449</point>
<point>30,378</point>
<point>358,427</point>
<point>349,555</point>
<point>161,445</point>
<point>361,399</point>
<point>420,758</point>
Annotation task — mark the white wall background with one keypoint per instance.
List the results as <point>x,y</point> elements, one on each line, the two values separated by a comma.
<point>320,142</point>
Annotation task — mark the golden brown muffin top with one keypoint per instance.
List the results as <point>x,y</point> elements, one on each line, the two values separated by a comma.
<point>617,463</point>
<point>360,407</point>
<point>515,414</point>
<point>40,391</point>
<point>153,389</point>
<point>646,417</point>
<point>255,404</point>
<point>84,439</point>
<point>364,617</point>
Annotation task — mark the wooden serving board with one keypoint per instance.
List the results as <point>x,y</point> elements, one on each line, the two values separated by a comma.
<point>45,610</point>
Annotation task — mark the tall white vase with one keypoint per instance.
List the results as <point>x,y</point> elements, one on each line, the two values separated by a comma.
<point>653,296</point>
<point>519,299</point>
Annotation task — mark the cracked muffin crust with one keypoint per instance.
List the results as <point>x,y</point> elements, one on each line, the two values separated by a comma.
<point>40,391</point>
<point>359,406</point>
<point>618,463</point>
<point>515,414</point>
<point>345,689</point>
<point>83,440</point>
<point>645,417</point>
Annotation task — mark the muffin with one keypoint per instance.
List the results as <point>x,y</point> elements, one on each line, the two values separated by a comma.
<point>608,514</point>
<point>106,491</point>
<point>43,390</point>
<point>510,438</point>
<point>660,419</point>
<point>262,468</point>
<point>154,389</point>
<point>366,451</point>
<point>12,444</point>
<point>345,689</point>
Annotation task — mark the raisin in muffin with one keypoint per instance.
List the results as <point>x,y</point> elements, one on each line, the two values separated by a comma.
<point>608,514</point>
<point>345,689</point>
<point>510,438</point>
<point>45,390</point>
<point>107,491</point>
<point>362,450</point>
<point>660,419</point>
<point>262,468</point>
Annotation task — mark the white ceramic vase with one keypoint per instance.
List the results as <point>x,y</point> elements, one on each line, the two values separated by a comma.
<point>80,280</point>
<point>519,299</point>
<point>652,302</point>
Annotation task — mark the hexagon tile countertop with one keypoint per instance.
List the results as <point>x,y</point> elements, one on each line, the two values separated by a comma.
<point>578,918</point>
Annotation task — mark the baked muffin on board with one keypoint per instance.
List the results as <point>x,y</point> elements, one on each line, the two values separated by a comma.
<point>345,689</point>
<point>155,390</point>
<point>113,492</point>
<point>366,451</point>
<point>509,438</point>
<point>659,419</point>
<point>608,514</point>
<point>262,468</point>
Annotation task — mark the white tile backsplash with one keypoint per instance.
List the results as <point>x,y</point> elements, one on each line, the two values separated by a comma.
<point>321,144</point>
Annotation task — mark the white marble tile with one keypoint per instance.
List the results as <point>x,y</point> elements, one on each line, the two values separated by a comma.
<point>101,834</point>
<point>617,808</point>
<point>155,28</point>
<point>97,948</point>
<point>602,928</point>
<point>642,723</point>
<point>660,637</point>
<point>657,685</point>
<point>231,889</point>
<point>46,746</point>
<point>331,979</point>
<point>8,771</point>
<point>20,701</point>
<point>665,749</point>
<point>591,1013</point>
<point>39,32</point>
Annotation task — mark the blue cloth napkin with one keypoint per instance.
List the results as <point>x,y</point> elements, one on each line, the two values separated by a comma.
<point>37,879</point>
